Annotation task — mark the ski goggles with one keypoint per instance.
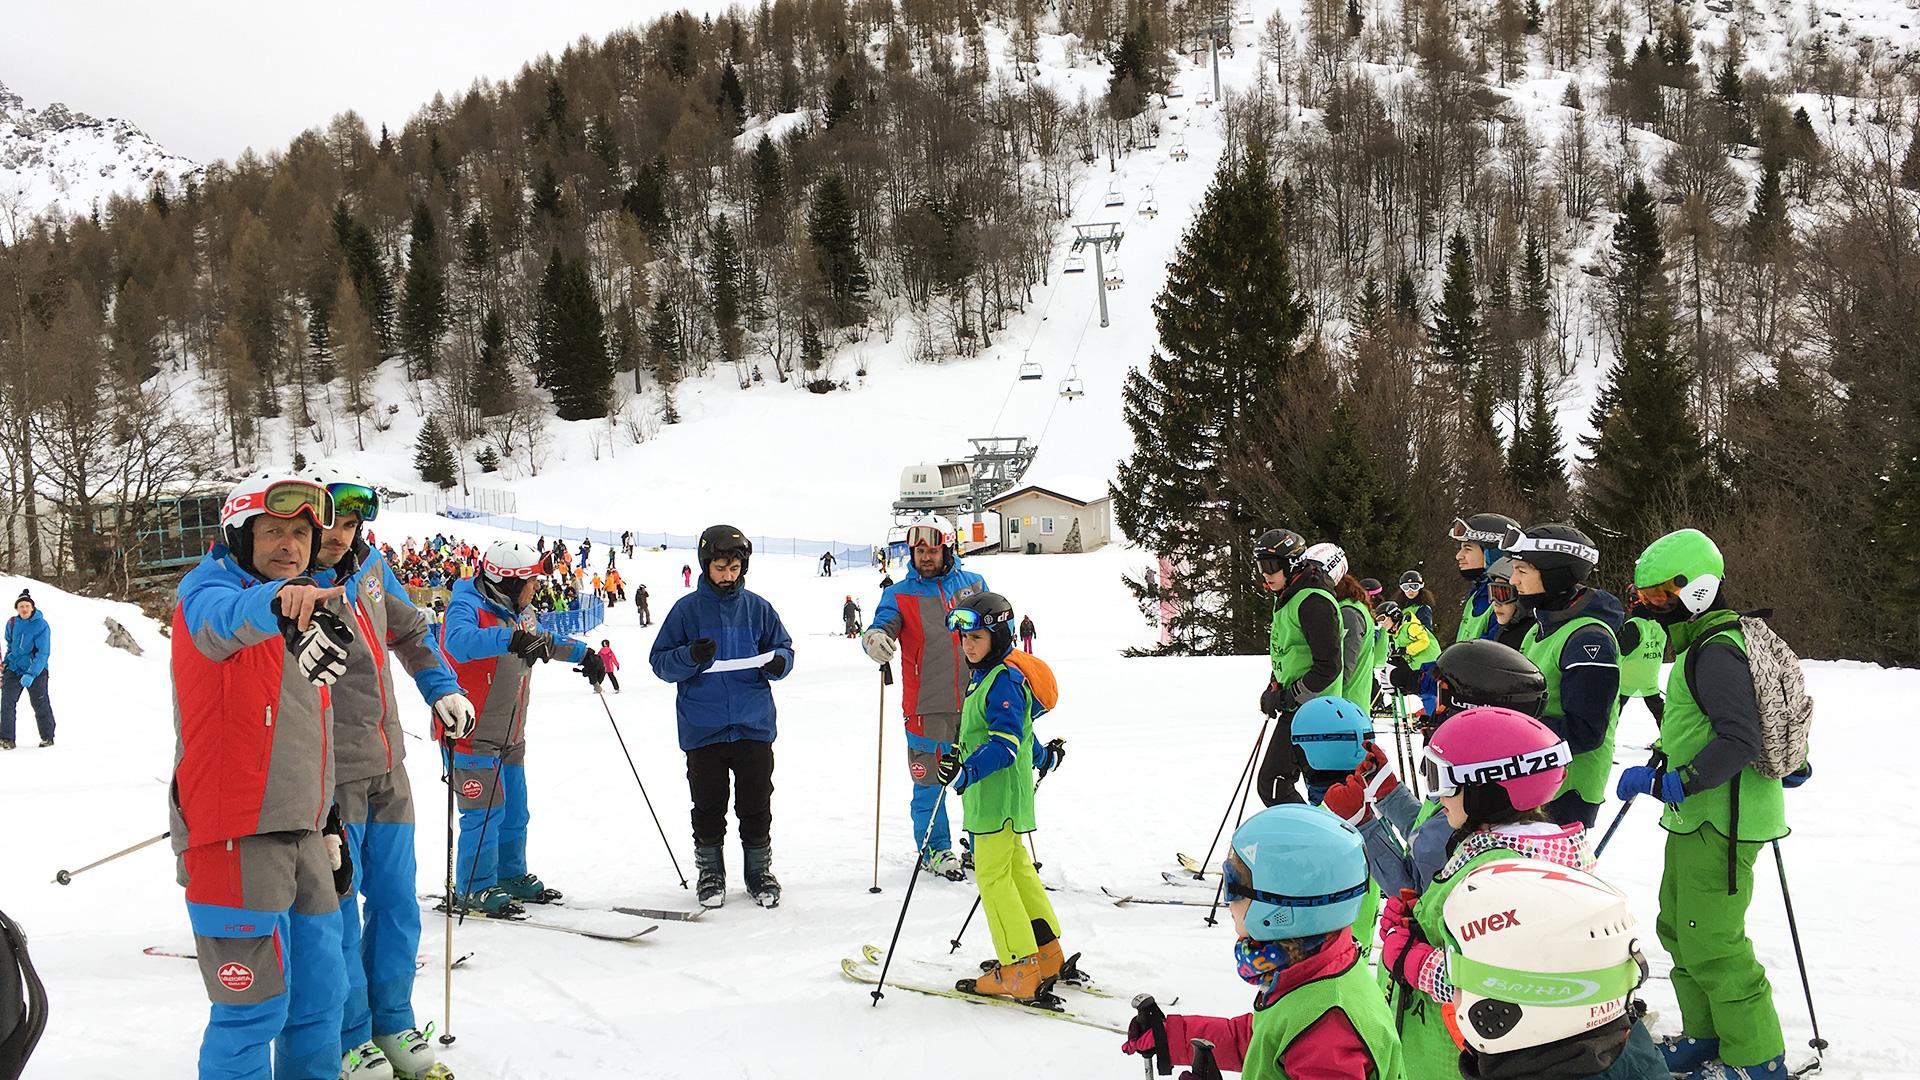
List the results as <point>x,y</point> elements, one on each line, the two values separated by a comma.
<point>1501,591</point>
<point>1661,597</point>
<point>359,499</point>
<point>961,620</point>
<point>925,536</point>
<point>1412,588</point>
<point>1467,534</point>
<point>1443,777</point>
<point>1518,544</point>
<point>285,499</point>
<point>539,568</point>
<point>1270,562</point>
<point>1238,888</point>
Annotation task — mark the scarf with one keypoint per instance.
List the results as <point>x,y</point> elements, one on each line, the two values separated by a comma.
<point>1259,962</point>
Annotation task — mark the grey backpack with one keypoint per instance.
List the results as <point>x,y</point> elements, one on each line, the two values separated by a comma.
<point>1780,686</point>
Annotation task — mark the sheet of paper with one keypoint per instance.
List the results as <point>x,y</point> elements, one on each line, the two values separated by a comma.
<point>742,663</point>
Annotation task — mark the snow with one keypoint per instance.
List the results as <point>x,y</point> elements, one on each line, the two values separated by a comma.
<point>1154,745</point>
<point>57,159</point>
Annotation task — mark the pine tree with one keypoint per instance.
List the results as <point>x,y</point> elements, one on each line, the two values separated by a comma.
<point>433,456</point>
<point>1458,336</point>
<point>1535,289</point>
<point>646,198</point>
<point>570,342</point>
<point>731,101</point>
<point>1345,493</point>
<point>371,285</point>
<point>548,201</point>
<point>492,378</point>
<point>1767,225</point>
<point>723,285</point>
<point>1227,321</point>
<point>423,298</point>
<point>813,353</point>
<point>663,340</point>
<point>1910,164</point>
<point>769,194</point>
<point>1637,279</point>
<point>840,100</point>
<point>834,231</point>
<point>1535,467</point>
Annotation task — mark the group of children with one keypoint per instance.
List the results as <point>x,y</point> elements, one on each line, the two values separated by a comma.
<point>1500,952</point>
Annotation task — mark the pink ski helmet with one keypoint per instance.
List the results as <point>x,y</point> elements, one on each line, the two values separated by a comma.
<point>1491,745</point>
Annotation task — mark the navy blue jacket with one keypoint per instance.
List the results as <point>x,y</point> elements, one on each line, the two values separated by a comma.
<point>1589,681</point>
<point>726,706</point>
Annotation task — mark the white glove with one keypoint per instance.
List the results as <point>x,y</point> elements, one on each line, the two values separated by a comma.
<point>880,645</point>
<point>320,651</point>
<point>455,714</point>
<point>333,849</point>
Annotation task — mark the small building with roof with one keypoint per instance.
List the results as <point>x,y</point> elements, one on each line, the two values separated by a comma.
<point>1064,515</point>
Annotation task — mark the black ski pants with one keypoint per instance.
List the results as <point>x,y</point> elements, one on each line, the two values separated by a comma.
<point>1278,779</point>
<point>749,764</point>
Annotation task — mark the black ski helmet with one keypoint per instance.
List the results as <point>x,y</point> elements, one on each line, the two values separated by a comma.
<point>1387,610</point>
<point>1283,546</point>
<point>1371,585</point>
<point>1485,672</point>
<point>996,616</point>
<point>1564,555</point>
<point>1413,578</point>
<point>724,542</point>
<point>1487,530</point>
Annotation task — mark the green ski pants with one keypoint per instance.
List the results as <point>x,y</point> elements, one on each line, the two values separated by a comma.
<point>1722,986</point>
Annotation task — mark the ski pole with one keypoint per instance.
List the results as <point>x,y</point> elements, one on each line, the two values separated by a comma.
<point>1205,1066</point>
<point>963,926</point>
<point>1148,1016</point>
<point>65,877</point>
<point>1221,890</point>
<point>879,768</point>
<point>1819,1044</point>
<point>643,793</point>
<point>912,880</point>
<point>1246,778</point>
<point>446,971</point>
<point>1653,762</point>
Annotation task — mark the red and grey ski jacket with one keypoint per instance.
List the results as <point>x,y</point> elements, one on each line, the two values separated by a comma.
<point>914,611</point>
<point>255,741</point>
<point>475,640</point>
<point>368,740</point>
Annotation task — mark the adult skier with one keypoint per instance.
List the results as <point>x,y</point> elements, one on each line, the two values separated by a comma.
<point>724,647</point>
<point>378,1037</point>
<point>1573,644</point>
<point>850,617</point>
<point>1719,811</point>
<point>911,620</point>
<point>29,644</point>
<point>255,644</point>
<point>493,639</point>
<point>1304,656</point>
<point>1478,538</point>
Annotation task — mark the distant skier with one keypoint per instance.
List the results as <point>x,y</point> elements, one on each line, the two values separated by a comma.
<point>686,576</point>
<point>610,663</point>
<point>29,643</point>
<point>640,603</point>
<point>1026,633</point>
<point>850,617</point>
<point>826,564</point>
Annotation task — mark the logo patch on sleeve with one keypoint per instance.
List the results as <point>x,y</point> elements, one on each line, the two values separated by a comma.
<point>235,977</point>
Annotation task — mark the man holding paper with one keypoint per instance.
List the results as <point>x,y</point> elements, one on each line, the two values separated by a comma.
<point>724,647</point>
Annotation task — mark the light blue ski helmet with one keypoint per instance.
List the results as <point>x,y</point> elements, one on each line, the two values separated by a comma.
<point>1309,873</point>
<point>1333,732</point>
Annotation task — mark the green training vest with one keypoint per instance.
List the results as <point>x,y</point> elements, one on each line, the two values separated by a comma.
<point>1588,773</point>
<point>1640,669</point>
<point>1286,644</point>
<point>1404,634</point>
<point>1006,795</point>
<point>1358,687</point>
<point>1352,992</point>
<point>1685,731</point>
<point>1472,627</point>
<point>1424,1039</point>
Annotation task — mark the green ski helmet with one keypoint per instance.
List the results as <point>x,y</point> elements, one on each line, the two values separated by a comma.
<point>1685,564</point>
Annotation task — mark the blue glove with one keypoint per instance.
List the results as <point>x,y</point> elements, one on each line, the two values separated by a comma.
<point>1647,780</point>
<point>1799,776</point>
<point>27,680</point>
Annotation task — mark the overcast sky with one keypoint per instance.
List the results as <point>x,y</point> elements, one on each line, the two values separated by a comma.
<point>209,78</point>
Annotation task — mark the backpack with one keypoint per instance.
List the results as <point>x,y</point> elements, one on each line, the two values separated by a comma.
<point>23,1001</point>
<point>1046,689</point>
<point>1780,687</point>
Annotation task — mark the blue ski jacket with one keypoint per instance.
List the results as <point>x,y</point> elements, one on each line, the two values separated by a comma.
<point>721,706</point>
<point>28,641</point>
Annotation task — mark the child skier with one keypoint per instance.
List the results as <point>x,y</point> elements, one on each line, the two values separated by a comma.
<point>610,663</point>
<point>1414,651</point>
<point>1478,538</point>
<point>1416,597</point>
<point>1719,810</point>
<point>1491,771</point>
<point>991,766</point>
<point>1295,877</point>
<point>1510,622</point>
<point>1304,657</point>
<point>1643,647</point>
<point>724,648</point>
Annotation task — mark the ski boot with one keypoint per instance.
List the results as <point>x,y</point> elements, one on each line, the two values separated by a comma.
<point>44,743</point>
<point>6,744</point>
<point>490,902</point>
<point>528,889</point>
<point>365,1062</point>
<point>410,1052</point>
<point>1019,981</point>
<point>943,864</point>
<point>761,884</point>
<point>1774,1068</point>
<point>711,863</point>
<point>1683,1053</point>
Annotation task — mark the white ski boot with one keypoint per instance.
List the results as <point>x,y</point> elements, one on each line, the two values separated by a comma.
<point>365,1062</point>
<point>410,1053</point>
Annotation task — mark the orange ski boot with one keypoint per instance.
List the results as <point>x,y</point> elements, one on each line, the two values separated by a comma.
<point>1020,980</point>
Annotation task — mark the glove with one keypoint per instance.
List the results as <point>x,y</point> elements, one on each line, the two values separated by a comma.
<point>703,649</point>
<point>455,716</point>
<point>1353,798</point>
<point>1402,676</point>
<point>775,667</point>
<point>1051,755</point>
<point>1402,955</point>
<point>1274,699</point>
<point>952,772</point>
<point>335,837</point>
<point>319,651</point>
<point>880,645</point>
<point>1647,780</point>
<point>27,680</point>
<point>1140,1035</point>
<point>530,645</point>
<point>592,666</point>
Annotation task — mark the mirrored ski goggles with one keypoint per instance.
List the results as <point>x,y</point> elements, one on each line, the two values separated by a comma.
<point>1501,591</point>
<point>925,536</point>
<point>1442,777</point>
<point>1518,544</point>
<point>961,620</point>
<point>1238,888</point>
<point>1465,534</point>
<point>1659,597</point>
<point>355,499</point>
<point>286,499</point>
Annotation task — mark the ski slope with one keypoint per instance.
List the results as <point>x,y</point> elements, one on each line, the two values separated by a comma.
<point>1154,744</point>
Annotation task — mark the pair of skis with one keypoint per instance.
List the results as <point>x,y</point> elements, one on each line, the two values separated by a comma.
<point>1193,874</point>
<point>865,969</point>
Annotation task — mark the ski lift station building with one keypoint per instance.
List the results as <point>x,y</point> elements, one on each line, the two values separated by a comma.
<point>1063,516</point>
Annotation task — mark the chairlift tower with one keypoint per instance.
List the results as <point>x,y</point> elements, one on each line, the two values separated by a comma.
<point>998,463</point>
<point>1215,34</point>
<point>1100,236</point>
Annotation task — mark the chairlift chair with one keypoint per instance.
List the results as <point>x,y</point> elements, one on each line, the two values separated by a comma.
<point>1179,150</point>
<point>1076,264</point>
<point>1114,196</point>
<point>1148,208</point>
<point>1174,91</point>
<point>1030,371</point>
<point>1115,277</point>
<point>1071,388</point>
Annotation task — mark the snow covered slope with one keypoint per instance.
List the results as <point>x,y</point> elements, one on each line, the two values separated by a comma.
<point>60,159</point>
<point>1155,745</point>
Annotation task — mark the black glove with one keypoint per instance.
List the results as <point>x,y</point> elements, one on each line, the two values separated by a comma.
<point>775,667</point>
<point>594,667</point>
<point>950,769</point>
<point>1402,676</point>
<point>531,645</point>
<point>703,649</point>
<point>1274,699</point>
<point>1051,755</point>
<point>319,651</point>
<point>335,837</point>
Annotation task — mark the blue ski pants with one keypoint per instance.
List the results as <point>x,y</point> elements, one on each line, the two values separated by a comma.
<point>379,939</point>
<point>492,797</point>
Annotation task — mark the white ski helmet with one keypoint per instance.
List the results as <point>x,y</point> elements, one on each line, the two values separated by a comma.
<point>352,493</point>
<point>1537,953</point>
<point>510,560</point>
<point>276,494</point>
<point>929,531</point>
<point>1331,558</point>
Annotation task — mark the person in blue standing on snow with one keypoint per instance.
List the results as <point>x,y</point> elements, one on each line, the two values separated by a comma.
<point>723,648</point>
<point>911,620</point>
<point>378,1038</point>
<point>29,642</point>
